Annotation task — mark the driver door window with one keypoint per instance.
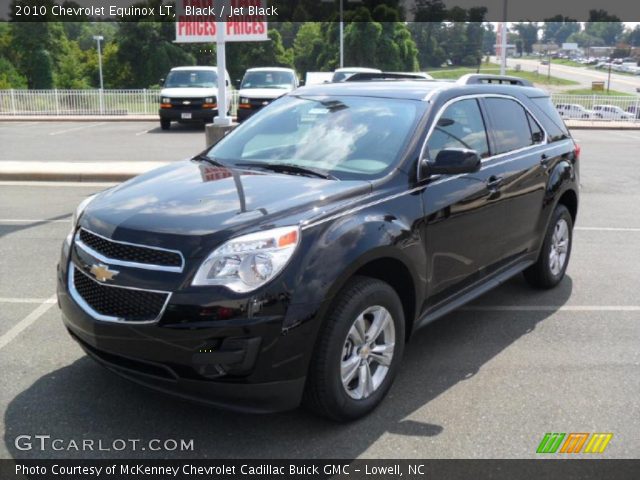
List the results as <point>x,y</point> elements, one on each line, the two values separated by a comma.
<point>460,126</point>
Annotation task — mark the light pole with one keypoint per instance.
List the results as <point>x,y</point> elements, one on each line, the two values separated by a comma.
<point>341,34</point>
<point>503,40</point>
<point>99,38</point>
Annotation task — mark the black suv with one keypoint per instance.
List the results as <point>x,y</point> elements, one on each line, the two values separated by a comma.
<point>292,261</point>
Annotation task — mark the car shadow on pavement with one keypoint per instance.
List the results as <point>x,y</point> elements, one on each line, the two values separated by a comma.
<point>84,401</point>
<point>9,228</point>
<point>178,128</point>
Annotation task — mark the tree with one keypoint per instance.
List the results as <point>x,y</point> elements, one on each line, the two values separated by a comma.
<point>9,76</point>
<point>632,37</point>
<point>528,33</point>
<point>42,70</point>
<point>147,51</point>
<point>583,39</point>
<point>71,68</point>
<point>607,27</point>
<point>558,29</point>
<point>489,39</point>
<point>307,48</point>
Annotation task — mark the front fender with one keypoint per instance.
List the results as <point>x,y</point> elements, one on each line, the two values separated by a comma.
<point>337,249</point>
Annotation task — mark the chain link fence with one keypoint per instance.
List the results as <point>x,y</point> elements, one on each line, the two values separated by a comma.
<point>145,102</point>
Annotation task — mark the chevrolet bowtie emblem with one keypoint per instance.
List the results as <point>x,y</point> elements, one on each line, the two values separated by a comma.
<point>186,102</point>
<point>102,272</point>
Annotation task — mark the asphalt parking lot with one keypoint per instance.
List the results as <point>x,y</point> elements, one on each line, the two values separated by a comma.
<point>99,141</point>
<point>487,381</point>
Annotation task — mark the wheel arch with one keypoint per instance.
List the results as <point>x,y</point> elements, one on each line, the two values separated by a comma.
<point>570,200</point>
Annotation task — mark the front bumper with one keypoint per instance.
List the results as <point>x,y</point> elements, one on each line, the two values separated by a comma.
<point>243,363</point>
<point>175,114</point>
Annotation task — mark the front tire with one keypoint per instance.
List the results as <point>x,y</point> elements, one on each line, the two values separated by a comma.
<point>165,124</point>
<point>358,351</point>
<point>552,262</point>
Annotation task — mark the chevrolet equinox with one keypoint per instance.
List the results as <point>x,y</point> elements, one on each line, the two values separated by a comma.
<point>291,262</point>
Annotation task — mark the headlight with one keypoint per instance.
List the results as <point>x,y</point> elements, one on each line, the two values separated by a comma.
<point>166,100</point>
<point>210,100</point>
<point>76,215</point>
<point>247,262</point>
<point>244,100</point>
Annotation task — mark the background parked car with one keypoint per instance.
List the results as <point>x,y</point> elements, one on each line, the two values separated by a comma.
<point>341,74</point>
<point>611,112</point>
<point>573,110</point>
<point>261,86</point>
<point>634,110</point>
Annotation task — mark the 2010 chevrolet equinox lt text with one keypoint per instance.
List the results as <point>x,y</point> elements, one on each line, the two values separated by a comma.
<point>291,261</point>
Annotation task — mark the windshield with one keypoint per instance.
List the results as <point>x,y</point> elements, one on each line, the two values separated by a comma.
<point>346,137</point>
<point>267,80</point>
<point>191,79</point>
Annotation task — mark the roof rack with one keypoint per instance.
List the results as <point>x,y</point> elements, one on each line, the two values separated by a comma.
<point>376,76</point>
<point>482,78</point>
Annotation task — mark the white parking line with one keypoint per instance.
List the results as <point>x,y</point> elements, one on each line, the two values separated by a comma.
<point>32,220</point>
<point>143,133</point>
<point>27,300</point>
<point>60,132</point>
<point>17,124</point>
<point>608,229</point>
<point>26,322</point>
<point>552,308</point>
<point>35,183</point>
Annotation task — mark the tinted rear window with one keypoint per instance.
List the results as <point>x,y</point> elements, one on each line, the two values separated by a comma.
<point>551,120</point>
<point>510,124</point>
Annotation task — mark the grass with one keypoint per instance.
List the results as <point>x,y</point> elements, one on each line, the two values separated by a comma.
<point>454,73</point>
<point>599,93</point>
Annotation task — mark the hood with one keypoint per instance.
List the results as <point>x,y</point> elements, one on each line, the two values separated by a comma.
<point>188,92</point>
<point>263,92</point>
<point>209,204</point>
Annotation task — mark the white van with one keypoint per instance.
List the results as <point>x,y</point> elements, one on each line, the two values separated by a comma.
<point>261,86</point>
<point>191,94</point>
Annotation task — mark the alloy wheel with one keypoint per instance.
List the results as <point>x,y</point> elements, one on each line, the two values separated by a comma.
<point>368,352</point>
<point>559,247</point>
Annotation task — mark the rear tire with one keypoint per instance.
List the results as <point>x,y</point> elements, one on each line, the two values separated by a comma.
<point>165,124</point>
<point>552,263</point>
<point>358,351</point>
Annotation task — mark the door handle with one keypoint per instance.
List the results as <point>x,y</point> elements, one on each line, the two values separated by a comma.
<point>494,182</point>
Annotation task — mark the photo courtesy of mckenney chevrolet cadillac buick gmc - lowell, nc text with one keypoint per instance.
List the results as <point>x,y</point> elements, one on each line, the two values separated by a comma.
<point>290,262</point>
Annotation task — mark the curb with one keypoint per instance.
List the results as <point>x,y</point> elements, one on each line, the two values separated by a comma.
<point>74,171</point>
<point>603,127</point>
<point>71,118</point>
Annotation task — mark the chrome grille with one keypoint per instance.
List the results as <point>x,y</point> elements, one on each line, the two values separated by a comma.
<point>123,253</point>
<point>115,303</point>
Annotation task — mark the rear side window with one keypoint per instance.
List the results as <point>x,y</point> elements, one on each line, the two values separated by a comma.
<point>460,126</point>
<point>551,120</point>
<point>537,135</point>
<point>510,125</point>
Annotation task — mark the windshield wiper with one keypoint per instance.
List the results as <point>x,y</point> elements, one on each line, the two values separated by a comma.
<point>201,157</point>
<point>288,168</point>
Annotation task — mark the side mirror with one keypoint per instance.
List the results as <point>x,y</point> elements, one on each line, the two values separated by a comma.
<point>301,83</point>
<point>162,81</point>
<point>452,161</point>
<point>237,82</point>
